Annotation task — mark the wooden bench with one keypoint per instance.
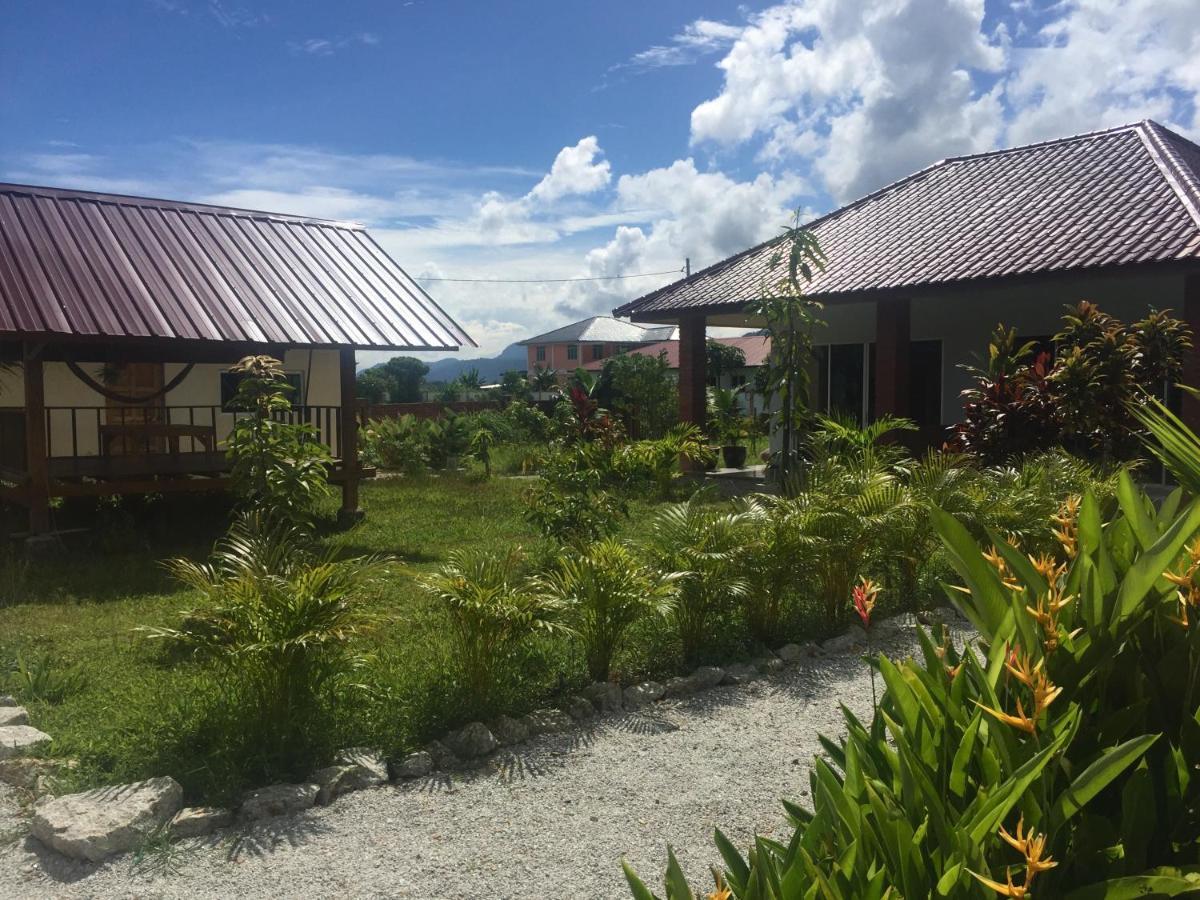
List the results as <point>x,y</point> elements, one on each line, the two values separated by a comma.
<point>145,435</point>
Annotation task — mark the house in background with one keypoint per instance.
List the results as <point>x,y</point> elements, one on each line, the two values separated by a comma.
<point>120,318</point>
<point>573,346</point>
<point>755,349</point>
<point>921,271</point>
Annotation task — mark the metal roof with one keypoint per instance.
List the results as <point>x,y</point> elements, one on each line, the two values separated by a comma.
<point>82,264</point>
<point>1121,196</point>
<point>602,329</point>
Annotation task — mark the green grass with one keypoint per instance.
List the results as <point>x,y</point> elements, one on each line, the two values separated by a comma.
<point>132,712</point>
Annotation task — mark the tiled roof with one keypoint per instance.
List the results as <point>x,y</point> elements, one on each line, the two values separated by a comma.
<point>81,264</point>
<point>602,329</point>
<point>755,347</point>
<point>1116,197</point>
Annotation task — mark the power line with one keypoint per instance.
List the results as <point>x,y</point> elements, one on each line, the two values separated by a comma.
<point>549,280</point>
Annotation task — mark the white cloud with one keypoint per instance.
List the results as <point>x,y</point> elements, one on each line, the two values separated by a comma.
<point>1103,63</point>
<point>698,39</point>
<point>327,46</point>
<point>576,170</point>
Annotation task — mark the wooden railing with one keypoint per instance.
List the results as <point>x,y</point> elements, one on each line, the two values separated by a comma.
<point>81,431</point>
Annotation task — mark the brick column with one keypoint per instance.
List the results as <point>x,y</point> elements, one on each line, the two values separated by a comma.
<point>891,357</point>
<point>692,360</point>
<point>1190,411</point>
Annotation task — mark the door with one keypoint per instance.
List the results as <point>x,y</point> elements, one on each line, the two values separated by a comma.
<point>135,380</point>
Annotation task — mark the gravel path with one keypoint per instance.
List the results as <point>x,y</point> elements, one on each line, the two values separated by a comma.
<point>552,820</point>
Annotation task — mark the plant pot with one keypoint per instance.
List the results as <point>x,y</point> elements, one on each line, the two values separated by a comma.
<point>735,457</point>
<point>711,460</point>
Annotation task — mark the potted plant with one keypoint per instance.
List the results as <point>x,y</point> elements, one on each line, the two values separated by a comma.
<point>729,425</point>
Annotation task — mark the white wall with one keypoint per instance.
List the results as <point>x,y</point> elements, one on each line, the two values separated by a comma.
<point>963,321</point>
<point>201,389</point>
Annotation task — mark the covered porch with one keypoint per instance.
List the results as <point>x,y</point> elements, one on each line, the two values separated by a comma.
<point>158,442</point>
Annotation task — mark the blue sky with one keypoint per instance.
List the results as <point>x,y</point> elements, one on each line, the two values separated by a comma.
<point>569,139</point>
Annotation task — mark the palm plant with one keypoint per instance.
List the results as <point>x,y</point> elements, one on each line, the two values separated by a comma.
<point>778,560</point>
<point>703,544</point>
<point>604,590</point>
<point>493,610</point>
<point>279,620</point>
<point>543,379</point>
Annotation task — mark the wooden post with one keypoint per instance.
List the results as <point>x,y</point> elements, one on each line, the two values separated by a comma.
<point>892,334</point>
<point>1190,409</point>
<point>348,428</point>
<point>37,466</point>
<point>692,359</point>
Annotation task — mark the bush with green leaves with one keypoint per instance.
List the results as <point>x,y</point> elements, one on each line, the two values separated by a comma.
<point>642,391</point>
<point>494,609</point>
<point>703,543</point>
<point>656,461</point>
<point>1056,759</point>
<point>278,465</point>
<point>570,503</point>
<point>277,623</point>
<point>605,589</point>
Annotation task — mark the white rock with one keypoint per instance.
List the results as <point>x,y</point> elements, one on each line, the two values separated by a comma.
<point>471,741</point>
<point>509,731</point>
<point>679,686</point>
<point>707,677</point>
<point>854,637</point>
<point>605,696</point>
<point>8,700</point>
<point>415,765</point>
<point>579,708</point>
<point>639,695</point>
<point>769,665</point>
<point>13,715</point>
<point>739,673</point>
<point>24,772</point>
<point>197,821</point>
<point>277,800</point>
<point>15,740</point>
<point>96,824</point>
<point>370,768</point>
<point>329,782</point>
<point>792,653</point>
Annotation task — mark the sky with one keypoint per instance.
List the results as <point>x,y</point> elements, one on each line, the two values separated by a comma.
<point>564,140</point>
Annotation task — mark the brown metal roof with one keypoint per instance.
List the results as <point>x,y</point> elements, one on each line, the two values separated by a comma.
<point>81,264</point>
<point>1121,196</point>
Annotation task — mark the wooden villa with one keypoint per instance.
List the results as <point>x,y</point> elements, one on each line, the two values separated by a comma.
<point>121,316</point>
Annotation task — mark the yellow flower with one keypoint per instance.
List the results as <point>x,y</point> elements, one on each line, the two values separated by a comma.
<point>1020,721</point>
<point>1033,848</point>
<point>1034,677</point>
<point>1067,518</point>
<point>721,891</point>
<point>1001,566</point>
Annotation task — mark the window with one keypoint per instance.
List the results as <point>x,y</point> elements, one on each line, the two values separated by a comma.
<point>841,382</point>
<point>572,351</point>
<point>231,380</point>
<point>540,353</point>
<point>597,351</point>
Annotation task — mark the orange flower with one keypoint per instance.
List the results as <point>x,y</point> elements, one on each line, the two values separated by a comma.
<point>1033,848</point>
<point>1001,566</point>
<point>1034,677</point>
<point>1067,531</point>
<point>721,891</point>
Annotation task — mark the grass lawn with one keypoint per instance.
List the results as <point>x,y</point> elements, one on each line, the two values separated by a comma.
<point>129,711</point>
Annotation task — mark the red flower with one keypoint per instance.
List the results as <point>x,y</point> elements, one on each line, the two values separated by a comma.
<point>864,595</point>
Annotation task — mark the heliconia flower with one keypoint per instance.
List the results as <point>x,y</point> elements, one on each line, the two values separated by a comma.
<point>1001,566</point>
<point>721,891</point>
<point>863,595</point>
<point>1033,848</point>
<point>1020,721</point>
<point>1067,520</point>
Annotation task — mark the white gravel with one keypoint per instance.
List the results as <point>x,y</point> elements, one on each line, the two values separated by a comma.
<point>553,819</point>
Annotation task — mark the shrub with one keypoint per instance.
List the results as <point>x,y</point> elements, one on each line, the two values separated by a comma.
<point>398,443</point>
<point>278,466</point>
<point>643,393</point>
<point>569,504</point>
<point>777,559</point>
<point>604,590</point>
<point>493,611</point>
<point>703,544</point>
<point>657,461</point>
<point>1023,400</point>
<point>1055,762</point>
<point>278,623</point>
<point>42,678</point>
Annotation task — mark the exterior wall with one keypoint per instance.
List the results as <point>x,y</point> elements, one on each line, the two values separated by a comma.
<point>556,355</point>
<point>964,321</point>
<point>200,390</point>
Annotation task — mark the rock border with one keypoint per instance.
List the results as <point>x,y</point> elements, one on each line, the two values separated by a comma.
<point>359,768</point>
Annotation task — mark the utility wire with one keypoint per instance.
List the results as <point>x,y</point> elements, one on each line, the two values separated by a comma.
<point>551,280</point>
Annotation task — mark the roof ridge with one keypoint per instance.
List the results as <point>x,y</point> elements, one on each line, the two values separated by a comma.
<point>60,193</point>
<point>1184,182</point>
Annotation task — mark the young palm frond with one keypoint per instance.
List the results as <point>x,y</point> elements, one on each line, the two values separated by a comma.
<point>604,590</point>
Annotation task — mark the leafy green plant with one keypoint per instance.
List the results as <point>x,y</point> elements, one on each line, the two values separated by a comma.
<point>494,610</point>
<point>604,590</point>
<point>643,393</point>
<point>657,460</point>
<point>704,545</point>
<point>1053,760</point>
<point>278,466</point>
<point>278,621</point>
<point>43,678</point>
<point>570,504</point>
